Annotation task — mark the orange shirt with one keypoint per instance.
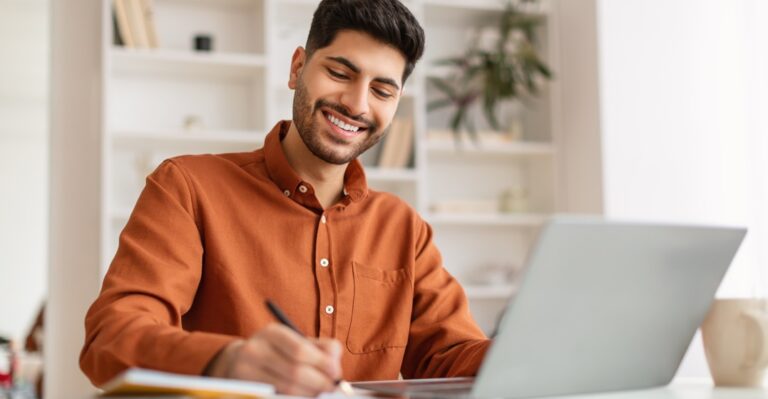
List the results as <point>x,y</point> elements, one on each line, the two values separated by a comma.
<point>213,236</point>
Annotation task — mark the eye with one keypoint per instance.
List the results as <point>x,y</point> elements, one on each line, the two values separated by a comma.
<point>337,74</point>
<point>382,93</point>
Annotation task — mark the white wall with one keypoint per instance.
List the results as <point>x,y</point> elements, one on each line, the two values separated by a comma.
<point>683,140</point>
<point>23,162</point>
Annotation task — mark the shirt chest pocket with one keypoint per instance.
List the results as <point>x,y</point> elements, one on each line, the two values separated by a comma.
<point>381,309</point>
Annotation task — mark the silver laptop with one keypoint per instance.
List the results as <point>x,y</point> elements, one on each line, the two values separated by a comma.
<point>603,306</point>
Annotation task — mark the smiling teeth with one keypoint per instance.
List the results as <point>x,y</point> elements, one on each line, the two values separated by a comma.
<point>341,124</point>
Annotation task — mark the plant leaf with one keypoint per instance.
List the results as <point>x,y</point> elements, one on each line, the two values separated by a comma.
<point>457,118</point>
<point>489,107</point>
<point>444,86</point>
<point>438,104</point>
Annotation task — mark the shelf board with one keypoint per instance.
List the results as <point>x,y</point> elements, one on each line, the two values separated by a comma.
<point>484,5</point>
<point>180,61</point>
<point>391,175</point>
<point>180,136</point>
<point>188,142</point>
<point>514,148</point>
<point>490,5</point>
<point>502,291</point>
<point>488,219</point>
<point>120,215</point>
<point>294,3</point>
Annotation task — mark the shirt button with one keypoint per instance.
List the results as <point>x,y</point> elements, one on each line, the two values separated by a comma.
<point>329,309</point>
<point>324,262</point>
<point>322,219</point>
<point>287,193</point>
<point>303,189</point>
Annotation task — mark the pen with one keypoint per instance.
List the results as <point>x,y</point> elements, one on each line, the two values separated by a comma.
<point>342,384</point>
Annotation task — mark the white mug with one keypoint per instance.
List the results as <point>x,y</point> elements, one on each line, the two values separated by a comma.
<point>735,335</point>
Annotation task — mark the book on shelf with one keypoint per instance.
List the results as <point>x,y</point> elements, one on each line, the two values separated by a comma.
<point>388,146</point>
<point>398,144</point>
<point>148,12</point>
<point>405,147</point>
<point>138,28</point>
<point>137,381</point>
<point>123,26</point>
<point>117,39</point>
<point>135,23</point>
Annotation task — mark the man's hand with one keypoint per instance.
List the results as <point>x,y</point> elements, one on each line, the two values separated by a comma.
<point>279,356</point>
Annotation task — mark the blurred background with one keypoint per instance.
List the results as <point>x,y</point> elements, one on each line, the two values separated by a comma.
<point>629,109</point>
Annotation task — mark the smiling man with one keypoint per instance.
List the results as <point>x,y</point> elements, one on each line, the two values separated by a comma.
<point>213,236</point>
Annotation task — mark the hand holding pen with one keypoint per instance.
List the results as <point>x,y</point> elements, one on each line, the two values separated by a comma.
<point>344,386</point>
<point>283,357</point>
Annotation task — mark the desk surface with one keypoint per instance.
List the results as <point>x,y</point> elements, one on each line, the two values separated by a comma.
<point>679,389</point>
<point>683,390</point>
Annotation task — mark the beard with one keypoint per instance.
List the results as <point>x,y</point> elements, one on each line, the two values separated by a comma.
<point>338,151</point>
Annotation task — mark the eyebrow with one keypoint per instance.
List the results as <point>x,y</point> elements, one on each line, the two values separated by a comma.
<point>347,63</point>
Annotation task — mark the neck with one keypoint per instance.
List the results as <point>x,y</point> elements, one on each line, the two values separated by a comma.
<point>327,179</point>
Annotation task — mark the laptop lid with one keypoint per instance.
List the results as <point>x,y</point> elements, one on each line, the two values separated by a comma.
<point>605,306</point>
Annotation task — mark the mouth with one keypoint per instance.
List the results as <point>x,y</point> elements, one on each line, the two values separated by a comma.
<point>343,126</point>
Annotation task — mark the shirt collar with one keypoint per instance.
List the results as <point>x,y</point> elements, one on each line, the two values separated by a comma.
<point>281,172</point>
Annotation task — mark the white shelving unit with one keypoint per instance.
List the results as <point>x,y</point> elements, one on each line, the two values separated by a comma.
<point>230,97</point>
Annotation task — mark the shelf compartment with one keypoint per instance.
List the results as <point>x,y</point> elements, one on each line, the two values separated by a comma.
<point>236,26</point>
<point>169,100</point>
<point>517,184</point>
<point>456,22</point>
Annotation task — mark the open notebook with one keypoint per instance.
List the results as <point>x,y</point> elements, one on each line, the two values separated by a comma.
<point>136,381</point>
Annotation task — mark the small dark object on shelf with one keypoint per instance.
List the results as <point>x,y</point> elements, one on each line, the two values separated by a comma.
<point>203,43</point>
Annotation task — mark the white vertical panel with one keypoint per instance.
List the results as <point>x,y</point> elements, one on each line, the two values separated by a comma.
<point>75,190</point>
<point>578,118</point>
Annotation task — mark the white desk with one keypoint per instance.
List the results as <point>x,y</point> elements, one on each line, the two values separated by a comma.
<point>685,389</point>
<point>679,389</point>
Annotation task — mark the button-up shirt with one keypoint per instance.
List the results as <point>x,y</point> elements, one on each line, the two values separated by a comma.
<point>213,236</point>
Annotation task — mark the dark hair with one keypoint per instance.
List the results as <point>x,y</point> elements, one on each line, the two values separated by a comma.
<point>388,21</point>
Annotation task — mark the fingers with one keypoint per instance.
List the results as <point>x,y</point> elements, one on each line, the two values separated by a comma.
<point>298,349</point>
<point>332,348</point>
<point>250,370</point>
<point>294,374</point>
<point>290,362</point>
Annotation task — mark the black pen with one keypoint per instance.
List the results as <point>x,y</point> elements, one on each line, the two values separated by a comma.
<point>343,385</point>
<point>281,317</point>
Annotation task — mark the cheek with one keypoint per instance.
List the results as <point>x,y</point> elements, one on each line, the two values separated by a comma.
<point>387,114</point>
<point>326,89</point>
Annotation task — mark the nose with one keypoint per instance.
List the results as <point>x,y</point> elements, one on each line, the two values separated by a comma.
<point>355,99</point>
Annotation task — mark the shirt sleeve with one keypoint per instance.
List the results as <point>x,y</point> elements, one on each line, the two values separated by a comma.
<point>444,340</point>
<point>151,283</point>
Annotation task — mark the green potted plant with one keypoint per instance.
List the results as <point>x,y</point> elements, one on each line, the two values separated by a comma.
<point>507,71</point>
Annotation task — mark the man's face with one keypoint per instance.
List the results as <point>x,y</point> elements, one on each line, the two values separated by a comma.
<point>346,95</point>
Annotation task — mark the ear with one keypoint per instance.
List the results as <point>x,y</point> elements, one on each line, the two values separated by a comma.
<point>297,64</point>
